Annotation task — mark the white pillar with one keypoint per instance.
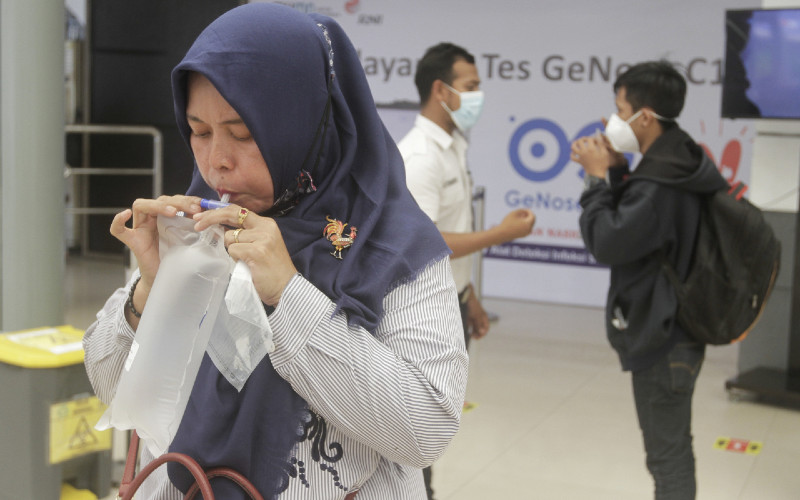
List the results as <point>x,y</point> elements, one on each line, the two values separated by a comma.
<point>31,163</point>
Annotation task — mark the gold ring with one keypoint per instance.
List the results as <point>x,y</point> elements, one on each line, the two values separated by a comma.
<point>243,215</point>
<point>236,235</point>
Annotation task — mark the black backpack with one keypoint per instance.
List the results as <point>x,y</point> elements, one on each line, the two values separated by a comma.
<point>734,267</point>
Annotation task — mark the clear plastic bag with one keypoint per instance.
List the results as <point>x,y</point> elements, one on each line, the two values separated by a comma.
<point>242,335</point>
<point>173,333</point>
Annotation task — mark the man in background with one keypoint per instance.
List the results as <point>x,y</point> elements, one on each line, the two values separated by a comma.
<point>435,155</point>
<point>629,218</point>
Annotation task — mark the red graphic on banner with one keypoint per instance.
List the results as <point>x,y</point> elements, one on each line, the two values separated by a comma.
<point>731,157</point>
<point>729,162</point>
<point>351,6</point>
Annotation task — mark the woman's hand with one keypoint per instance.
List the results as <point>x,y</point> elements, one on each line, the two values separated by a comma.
<point>142,237</point>
<point>258,242</point>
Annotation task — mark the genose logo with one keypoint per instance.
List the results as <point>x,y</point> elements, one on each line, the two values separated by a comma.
<point>539,148</point>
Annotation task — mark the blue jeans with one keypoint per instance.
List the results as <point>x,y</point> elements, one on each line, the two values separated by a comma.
<point>663,396</point>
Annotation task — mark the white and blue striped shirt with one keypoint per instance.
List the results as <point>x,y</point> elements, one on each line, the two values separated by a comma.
<point>392,400</point>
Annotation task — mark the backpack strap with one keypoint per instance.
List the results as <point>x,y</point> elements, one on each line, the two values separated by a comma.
<point>737,190</point>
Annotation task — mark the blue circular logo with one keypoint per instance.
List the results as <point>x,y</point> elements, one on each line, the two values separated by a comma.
<point>538,150</point>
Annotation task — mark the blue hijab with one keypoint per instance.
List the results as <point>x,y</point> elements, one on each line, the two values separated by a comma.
<point>297,83</point>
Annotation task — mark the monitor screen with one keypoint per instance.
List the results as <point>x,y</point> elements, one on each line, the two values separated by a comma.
<point>762,64</point>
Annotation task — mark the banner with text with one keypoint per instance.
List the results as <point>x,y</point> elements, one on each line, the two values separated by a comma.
<point>547,69</point>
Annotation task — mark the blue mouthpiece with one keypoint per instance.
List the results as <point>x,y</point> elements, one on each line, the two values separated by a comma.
<point>212,204</point>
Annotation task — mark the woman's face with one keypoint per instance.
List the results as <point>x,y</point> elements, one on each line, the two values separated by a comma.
<point>226,153</point>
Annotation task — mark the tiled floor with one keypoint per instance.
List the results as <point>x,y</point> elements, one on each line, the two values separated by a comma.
<point>553,414</point>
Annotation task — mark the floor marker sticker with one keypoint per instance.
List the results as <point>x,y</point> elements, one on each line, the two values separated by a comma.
<point>738,445</point>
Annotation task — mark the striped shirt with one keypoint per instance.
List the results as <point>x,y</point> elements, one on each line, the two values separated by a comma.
<point>391,399</point>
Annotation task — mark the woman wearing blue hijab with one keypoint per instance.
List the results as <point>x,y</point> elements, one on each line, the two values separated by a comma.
<point>366,382</point>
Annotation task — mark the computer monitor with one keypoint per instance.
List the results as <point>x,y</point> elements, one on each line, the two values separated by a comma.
<point>762,64</point>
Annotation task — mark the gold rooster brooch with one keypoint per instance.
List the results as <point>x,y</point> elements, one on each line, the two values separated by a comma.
<point>334,232</point>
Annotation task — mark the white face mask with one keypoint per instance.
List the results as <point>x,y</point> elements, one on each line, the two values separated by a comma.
<point>620,134</point>
<point>471,105</point>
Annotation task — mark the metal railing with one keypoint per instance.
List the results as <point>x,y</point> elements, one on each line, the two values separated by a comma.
<point>479,215</point>
<point>155,171</point>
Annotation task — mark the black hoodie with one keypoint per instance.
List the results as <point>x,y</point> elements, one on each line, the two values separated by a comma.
<point>625,225</point>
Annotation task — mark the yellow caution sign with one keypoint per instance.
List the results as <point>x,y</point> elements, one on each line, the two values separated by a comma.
<point>72,431</point>
<point>738,445</point>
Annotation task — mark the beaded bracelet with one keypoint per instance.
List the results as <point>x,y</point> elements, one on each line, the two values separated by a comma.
<point>130,298</point>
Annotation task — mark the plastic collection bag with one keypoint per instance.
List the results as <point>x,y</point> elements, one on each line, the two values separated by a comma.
<point>173,333</point>
<point>242,335</point>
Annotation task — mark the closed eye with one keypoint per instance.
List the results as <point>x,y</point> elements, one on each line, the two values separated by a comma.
<point>241,138</point>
